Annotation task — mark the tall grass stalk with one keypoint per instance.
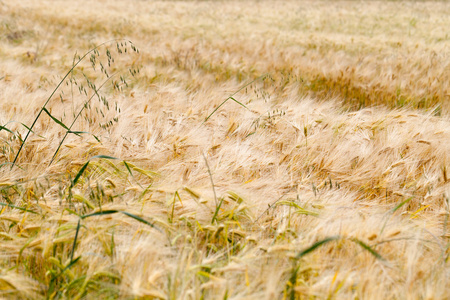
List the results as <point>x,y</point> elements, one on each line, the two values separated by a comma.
<point>94,52</point>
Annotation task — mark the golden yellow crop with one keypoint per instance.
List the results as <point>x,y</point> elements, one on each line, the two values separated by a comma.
<point>236,150</point>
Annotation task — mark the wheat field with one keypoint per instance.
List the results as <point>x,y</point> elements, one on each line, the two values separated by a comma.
<point>224,149</point>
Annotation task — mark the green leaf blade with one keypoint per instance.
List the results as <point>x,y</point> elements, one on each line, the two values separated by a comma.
<point>316,245</point>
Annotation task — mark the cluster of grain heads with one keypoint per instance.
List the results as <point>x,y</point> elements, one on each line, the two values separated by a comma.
<point>90,87</point>
<point>45,247</point>
<point>55,245</point>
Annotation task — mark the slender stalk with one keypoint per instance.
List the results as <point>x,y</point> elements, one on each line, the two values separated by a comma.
<point>53,93</point>
<point>77,116</point>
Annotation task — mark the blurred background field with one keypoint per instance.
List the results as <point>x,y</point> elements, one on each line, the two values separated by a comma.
<point>324,175</point>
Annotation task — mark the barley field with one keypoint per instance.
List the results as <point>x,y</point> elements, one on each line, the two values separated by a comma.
<point>224,149</point>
